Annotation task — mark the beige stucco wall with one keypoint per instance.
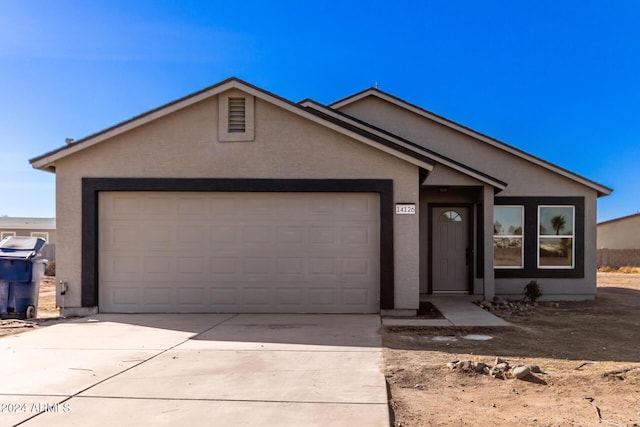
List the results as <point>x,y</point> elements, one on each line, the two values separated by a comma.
<point>184,145</point>
<point>523,178</point>
<point>620,234</point>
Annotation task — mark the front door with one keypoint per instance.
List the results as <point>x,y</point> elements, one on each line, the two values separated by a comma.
<point>450,250</point>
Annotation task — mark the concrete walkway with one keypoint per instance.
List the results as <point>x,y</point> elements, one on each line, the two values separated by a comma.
<point>204,369</point>
<point>457,310</point>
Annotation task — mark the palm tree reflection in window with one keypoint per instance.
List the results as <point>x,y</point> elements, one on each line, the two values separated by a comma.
<point>558,222</point>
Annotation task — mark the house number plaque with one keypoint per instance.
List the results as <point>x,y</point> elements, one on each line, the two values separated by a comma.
<point>405,208</point>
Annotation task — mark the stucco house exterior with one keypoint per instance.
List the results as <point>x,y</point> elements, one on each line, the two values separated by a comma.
<point>619,242</point>
<point>233,199</point>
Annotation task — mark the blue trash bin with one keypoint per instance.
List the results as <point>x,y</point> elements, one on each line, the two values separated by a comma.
<point>20,276</point>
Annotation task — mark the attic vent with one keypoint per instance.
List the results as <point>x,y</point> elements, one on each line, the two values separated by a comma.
<point>236,118</point>
<point>237,115</point>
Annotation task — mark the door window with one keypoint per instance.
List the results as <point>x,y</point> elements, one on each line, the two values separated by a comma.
<point>450,216</point>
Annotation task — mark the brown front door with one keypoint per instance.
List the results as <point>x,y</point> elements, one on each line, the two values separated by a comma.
<point>450,250</point>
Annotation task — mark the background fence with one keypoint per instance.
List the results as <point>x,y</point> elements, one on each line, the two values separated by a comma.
<point>616,258</point>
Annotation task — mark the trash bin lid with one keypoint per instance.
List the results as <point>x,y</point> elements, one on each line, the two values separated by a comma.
<point>20,247</point>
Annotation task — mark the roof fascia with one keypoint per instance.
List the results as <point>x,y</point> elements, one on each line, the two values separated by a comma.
<point>22,223</point>
<point>47,161</point>
<point>601,189</point>
<point>622,218</point>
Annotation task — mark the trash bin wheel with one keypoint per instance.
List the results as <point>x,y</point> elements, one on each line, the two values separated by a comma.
<point>31,312</point>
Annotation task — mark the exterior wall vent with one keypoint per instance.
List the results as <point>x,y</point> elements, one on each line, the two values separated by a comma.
<point>237,115</point>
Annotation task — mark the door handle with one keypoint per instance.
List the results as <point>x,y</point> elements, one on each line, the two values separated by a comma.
<point>467,255</point>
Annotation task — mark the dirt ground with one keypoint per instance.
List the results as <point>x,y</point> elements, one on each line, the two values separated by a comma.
<point>47,314</point>
<point>589,353</point>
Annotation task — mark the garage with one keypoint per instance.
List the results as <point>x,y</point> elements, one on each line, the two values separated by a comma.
<point>262,252</point>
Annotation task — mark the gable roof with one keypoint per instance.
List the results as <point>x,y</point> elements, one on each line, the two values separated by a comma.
<point>354,123</point>
<point>47,161</point>
<point>599,188</point>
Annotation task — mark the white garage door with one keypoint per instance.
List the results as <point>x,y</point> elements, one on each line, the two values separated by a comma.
<point>190,252</point>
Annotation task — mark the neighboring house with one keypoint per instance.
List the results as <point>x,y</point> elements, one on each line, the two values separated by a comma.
<point>44,228</point>
<point>619,242</point>
<point>31,227</point>
<point>233,199</point>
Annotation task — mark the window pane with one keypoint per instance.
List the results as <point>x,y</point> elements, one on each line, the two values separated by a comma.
<point>556,252</point>
<point>450,216</point>
<point>507,220</point>
<point>556,220</point>
<point>507,252</point>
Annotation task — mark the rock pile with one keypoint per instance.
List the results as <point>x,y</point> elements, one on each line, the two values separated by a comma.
<point>499,305</point>
<point>501,369</point>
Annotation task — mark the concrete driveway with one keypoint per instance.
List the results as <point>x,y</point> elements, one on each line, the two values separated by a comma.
<point>196,369</point>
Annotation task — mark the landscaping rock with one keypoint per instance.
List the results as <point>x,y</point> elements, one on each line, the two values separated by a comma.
<point>499,300</point>
<point>480,367</point>
<point>500,370</point>
<point>535,369</point>
<point>459,365</point>
<point>520,372</point>
<point>504,366</point>
<point>503,307</point>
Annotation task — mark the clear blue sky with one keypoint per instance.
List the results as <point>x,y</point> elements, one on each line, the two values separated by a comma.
<point>559,79</point>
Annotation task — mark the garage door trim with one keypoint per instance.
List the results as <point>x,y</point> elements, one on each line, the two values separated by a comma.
<point>91,187</point>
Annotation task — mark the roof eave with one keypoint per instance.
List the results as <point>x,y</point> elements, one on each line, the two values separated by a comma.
<point>48,160</point>
<point>599,188</point>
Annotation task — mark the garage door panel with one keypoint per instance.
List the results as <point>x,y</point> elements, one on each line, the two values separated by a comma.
<point>124,295</point>
<point>291,234</point>
<point>225,296</point>
<point>224,234</point>
<point>257,234</point>
<point>290,296</point>
<point>356,296</point>
<point>356,207</point>
<point>193,206</point>
<point>324,206</point>
<point>239,252</point>
<point>123,204</point>
<point>292,206</point>
<point>159,205</point>
<point>323,267</point>
<point>158,295</point>
<point>322,235</point>
<point>193,296</point>
<point>357,267</point>
<point>222,266</point>
<point>188,235</point>
<point>259,205</point>
<point>157,236</point>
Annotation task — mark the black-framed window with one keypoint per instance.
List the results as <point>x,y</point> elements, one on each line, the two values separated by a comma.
<point>552,237</point>
<point>508,236</point>
<point>556,237</point>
